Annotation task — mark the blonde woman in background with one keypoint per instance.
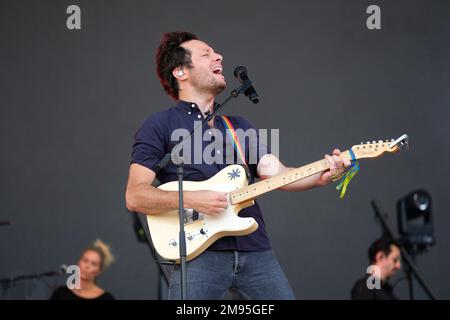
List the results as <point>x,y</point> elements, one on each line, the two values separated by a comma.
<point>94,260</point>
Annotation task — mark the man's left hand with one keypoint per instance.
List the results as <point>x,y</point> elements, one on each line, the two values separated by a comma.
<point>337,166</point>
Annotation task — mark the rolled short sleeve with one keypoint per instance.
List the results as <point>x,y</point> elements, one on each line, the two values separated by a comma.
<point>150,142</point>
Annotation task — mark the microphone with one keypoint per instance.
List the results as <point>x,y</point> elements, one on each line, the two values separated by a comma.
<point>240,73</point>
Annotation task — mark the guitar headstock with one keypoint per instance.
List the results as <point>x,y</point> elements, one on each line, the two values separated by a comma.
<point>373,149</point>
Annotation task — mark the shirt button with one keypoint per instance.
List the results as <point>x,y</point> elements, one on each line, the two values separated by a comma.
<point>199,116</point>
<point>193,105</point>
<point>189,112</point>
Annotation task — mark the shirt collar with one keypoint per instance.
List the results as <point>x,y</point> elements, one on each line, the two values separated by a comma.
<point>191,106</point>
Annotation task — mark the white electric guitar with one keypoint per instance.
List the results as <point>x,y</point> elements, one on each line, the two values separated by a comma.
<point>202,230</point>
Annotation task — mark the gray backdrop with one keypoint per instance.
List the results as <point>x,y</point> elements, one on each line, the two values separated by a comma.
<point>71,102</point>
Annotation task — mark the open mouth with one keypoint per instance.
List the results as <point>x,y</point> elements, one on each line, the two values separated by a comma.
<point>217,70</point>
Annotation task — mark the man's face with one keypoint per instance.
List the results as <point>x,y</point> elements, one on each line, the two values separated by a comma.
<point>391,263</point>
<point>206,71</point>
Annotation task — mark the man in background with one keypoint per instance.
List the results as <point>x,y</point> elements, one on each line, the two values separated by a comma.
<point>384,257</point>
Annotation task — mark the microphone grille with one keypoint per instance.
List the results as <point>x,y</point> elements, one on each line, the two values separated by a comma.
<point>238,70</point>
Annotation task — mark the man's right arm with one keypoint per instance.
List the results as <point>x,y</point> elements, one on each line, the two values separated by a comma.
<point>142,197</point>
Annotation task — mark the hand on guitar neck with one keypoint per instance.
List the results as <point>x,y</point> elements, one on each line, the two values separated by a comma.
<point>338,165</point>
<point>270,166</point>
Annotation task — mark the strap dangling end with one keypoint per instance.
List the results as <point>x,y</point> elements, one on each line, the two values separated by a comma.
<point>348,176</point>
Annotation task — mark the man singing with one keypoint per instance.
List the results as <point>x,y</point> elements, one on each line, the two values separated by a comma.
<point>191,72</point>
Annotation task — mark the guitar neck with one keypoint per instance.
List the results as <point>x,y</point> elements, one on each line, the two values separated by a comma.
<point>257,189</point>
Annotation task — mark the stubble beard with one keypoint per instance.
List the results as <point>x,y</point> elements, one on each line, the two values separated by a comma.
<point>210,85</point>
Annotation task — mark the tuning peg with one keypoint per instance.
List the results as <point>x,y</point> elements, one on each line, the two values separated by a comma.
<point>380,141</point>
<point>402,141</point>
<point>368,142</point>
<point>392,140</point>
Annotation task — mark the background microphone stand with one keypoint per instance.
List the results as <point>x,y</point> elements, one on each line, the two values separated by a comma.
<point>411,267</point>
<point>9,282</point>
<point>173,157</point>
<point>12,280</point>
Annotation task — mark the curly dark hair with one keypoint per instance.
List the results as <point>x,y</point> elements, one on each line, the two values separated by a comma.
<point>171,55</point>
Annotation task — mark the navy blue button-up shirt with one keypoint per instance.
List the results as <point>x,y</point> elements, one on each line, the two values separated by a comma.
<point>153,141</point>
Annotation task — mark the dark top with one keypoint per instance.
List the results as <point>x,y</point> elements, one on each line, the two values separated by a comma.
<point>361,292</point>
<point>64,293</point>
<point>153,141</point>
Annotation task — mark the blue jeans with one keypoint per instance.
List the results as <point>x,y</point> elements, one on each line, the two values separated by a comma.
<point>254,275</point>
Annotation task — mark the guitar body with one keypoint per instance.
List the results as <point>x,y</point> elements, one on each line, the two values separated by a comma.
<point>201,230</point>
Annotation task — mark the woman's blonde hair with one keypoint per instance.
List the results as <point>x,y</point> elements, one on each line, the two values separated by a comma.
<point>104,250</point>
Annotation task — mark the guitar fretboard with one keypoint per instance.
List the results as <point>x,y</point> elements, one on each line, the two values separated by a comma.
<point>257,189</point>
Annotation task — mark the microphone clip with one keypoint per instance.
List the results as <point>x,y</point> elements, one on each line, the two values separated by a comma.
<point>243,88</point>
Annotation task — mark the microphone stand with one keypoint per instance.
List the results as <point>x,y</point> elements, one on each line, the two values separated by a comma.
<point>178,161</point>
<point>9,282</point>
<point>5,281</point>
<point>411,267</point>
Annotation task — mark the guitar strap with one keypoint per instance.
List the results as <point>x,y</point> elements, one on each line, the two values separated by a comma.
<point>236,143</point>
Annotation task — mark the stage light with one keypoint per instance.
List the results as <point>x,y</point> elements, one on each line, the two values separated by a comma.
<point>415,220</point>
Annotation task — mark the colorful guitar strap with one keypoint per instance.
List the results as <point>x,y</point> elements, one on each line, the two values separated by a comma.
<point>236,143</point>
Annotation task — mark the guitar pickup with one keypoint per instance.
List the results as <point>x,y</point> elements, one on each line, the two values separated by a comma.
<point>191,215</point>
